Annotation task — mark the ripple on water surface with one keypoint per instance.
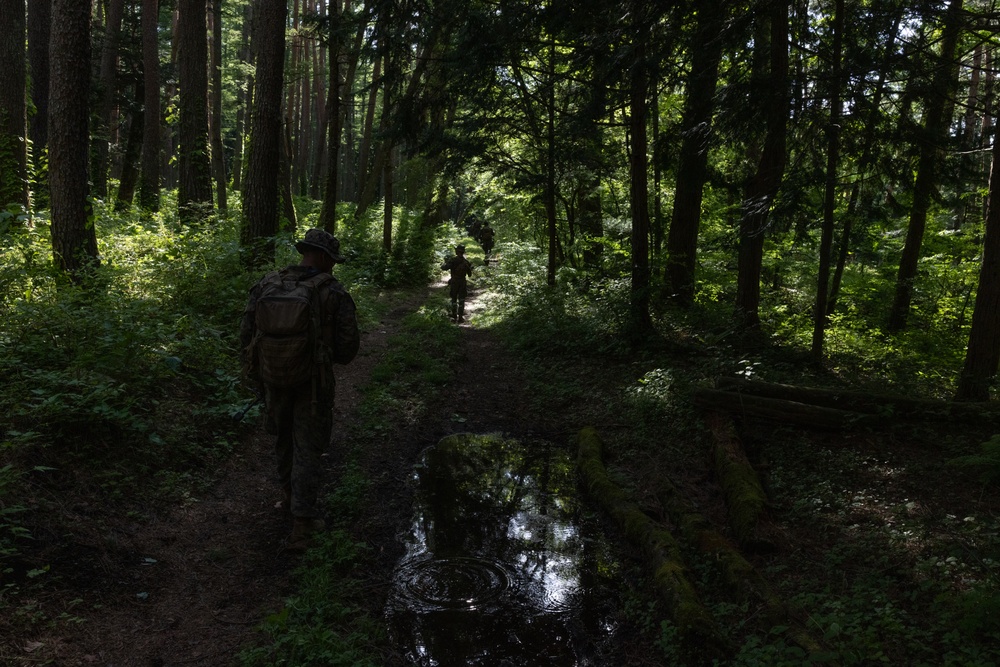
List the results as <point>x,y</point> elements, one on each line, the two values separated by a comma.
<point>499,568</point>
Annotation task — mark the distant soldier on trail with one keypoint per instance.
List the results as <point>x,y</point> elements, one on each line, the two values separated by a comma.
<point>460,268</point>
<point>475,226</point>
<point>486,236</point>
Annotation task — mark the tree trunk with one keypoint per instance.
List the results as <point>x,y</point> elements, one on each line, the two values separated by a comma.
<point>243,99</point>
<point>215,124</point>
<point>194,190</point>
<point>970,142</point>
<point>982,357</point>
<point>285,181</point>
<point>935,135</point>
<point>133,149</point>
<point>334,129</point>
<point>692,172</point>
<point>74,242</point>
<point>39,26</point>
<point>550,167</point>
<point>830,200</point>
<point>149,186</point>
<point>364,151</point>
<point>108,83</point>
<point>763,185</point>
<point>387,175</point>
<point>260,192</point>
<point>640,324</point>
<point>864,162</point>
<point>13,110</point>
<point>322,103</point>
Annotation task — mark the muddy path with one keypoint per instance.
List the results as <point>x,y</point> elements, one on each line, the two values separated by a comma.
<point>189,585</point>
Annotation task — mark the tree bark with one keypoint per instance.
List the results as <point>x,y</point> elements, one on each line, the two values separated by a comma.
<point>133,150</point>
<point>387,176</point>
<point>640,324</point>
<point>763,185</point>
<point>13,110</point>
<point>934,136</point>
<point>194,189</point>
<point>108,84</point>
<point>243,99</point>
<point>550,168</point>
<point>74,241</point>
<point>982,357</point>
<point>820,315</point>
<point>215,123</point>
<point>39,27</point>
<point>367,132</point>
<point>260,192</point>
<point>692,172</point>
<point>149,186</point>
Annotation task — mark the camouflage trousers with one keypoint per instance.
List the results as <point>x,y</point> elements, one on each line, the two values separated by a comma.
<point>303,430</point>
<point>458,291</point>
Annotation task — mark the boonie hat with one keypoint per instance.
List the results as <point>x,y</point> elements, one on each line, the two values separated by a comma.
<point>460,248</point>
<point>318,239</point>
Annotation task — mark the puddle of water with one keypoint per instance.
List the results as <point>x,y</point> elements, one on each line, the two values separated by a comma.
<point>499,567</point>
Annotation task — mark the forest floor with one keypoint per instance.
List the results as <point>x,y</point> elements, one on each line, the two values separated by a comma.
<point>190,584</point>
<point>858,515</point>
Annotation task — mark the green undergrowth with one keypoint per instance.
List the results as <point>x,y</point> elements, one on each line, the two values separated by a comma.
<point>326,621</point>
<point>888,560</point>
<point>122,393</point>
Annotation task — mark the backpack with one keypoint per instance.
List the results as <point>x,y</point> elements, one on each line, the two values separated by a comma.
<point>288,347</point>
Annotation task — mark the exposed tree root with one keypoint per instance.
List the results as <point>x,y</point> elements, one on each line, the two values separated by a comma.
<point>670,579</point>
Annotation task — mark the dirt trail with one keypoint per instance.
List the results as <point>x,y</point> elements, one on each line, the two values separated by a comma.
<point>190,586</point>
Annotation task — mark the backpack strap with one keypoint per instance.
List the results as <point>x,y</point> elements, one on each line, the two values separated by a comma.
<point>319,349</point>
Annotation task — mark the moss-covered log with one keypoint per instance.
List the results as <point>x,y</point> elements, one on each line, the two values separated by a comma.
<point>746,502</point>
<point>782,410</point>
<point>882,405</point>
<point>670,578</point>
<point>737,572</point>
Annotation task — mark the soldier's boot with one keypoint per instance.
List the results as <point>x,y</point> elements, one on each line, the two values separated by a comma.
<point>461,313</point>
<point>286,498</point>
<point>304,528</point>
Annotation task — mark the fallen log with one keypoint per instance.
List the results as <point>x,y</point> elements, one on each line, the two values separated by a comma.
<point>883,405</point>
<point>746,502</point>
<point>782,410</point>
<point>738,573</point>
<point>673,587</point>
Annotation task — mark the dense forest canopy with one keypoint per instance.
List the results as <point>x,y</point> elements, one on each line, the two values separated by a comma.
<point>768,155</point>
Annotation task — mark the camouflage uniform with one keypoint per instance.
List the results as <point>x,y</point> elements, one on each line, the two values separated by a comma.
<point>460,268</point>
<point>301,416</point>
<point>486,236</point>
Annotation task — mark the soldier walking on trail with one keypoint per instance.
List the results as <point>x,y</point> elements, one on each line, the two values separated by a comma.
<point>460,269</point>
<point>486,236</point>
<point>297,323</point>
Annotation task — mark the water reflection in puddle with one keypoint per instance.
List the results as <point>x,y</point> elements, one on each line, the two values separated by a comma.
<point>499,568</point>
